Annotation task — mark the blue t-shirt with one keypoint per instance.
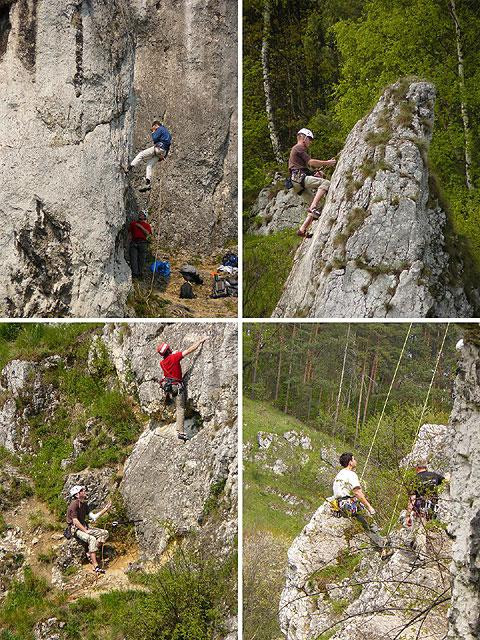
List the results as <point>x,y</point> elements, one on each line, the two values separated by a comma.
<point>162,137</point>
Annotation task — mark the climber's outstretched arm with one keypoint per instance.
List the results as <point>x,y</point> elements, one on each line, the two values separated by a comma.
<point>358,493</point>
<point>322,163</point>
<point>193,347</point>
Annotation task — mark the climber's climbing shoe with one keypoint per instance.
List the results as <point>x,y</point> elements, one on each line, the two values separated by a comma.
<point>316,213</point>
<point>146,187</point>
<point>304,234</point>
<point>99,570</point>
<point>182,436</point>
<point>386,553</point>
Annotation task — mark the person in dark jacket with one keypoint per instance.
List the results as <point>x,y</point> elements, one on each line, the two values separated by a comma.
<point>139,233</point>
<point>162,139</point>
<point>422,506</point>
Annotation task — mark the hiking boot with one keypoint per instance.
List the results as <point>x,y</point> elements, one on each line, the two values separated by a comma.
<point>146,187</point>
<point>316,213</point>
<point>386,553</point>
<point>99,570</point>
<point>182,436</point>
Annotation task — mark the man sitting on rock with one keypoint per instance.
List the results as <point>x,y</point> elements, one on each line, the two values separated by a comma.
<point>352,501</point>
<point>422,506</point>
<point>312,187</point>
<point>162,139</point>
<point>140,233</point>
<point>77,519</point>
<point>172,382</point>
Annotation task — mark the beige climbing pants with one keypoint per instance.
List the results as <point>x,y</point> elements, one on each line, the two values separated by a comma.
<point>94,538</point>
<point>152,155</point>
<point>180,406</point>
<point>419,533</point>
<point>311,186</point>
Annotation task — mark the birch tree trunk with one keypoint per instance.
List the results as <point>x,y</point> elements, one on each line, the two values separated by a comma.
<point>255,364</point>
<point>359,407</point>
<point>463,106</point>
<point>267,9</point>
<point>279,367</point>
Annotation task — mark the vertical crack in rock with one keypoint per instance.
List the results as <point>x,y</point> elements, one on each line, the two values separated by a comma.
<point>27,32</point>
<point>44,251</point>
<point>77,23</point>
<point>5,27</point>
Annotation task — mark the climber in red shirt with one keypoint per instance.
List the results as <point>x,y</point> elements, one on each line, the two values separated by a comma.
<point>140,233</point>
<point>172,382</point>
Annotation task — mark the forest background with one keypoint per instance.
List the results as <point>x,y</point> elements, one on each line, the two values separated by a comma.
<point>324,66</point>
<point>329,382</point>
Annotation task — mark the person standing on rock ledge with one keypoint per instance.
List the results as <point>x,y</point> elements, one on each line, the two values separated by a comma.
<point>139,233</point>
<point>77,521</point>
<point>172,382</point>
<point>422,507</point>
<point>312,187</point>
<point>351,500</point>
<point>162,139</point>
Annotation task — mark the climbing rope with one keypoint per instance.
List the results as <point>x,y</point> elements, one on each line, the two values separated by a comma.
<point>420,422</point>
<point>386,402</point>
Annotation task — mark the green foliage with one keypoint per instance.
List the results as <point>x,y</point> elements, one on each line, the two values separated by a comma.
<point>267,261</point>
<point>26,603</point>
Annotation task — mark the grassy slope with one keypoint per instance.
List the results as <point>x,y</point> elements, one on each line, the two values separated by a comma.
<point>264,511</point>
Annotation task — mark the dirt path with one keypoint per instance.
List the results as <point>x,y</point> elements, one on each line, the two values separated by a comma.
<point>165,301</point>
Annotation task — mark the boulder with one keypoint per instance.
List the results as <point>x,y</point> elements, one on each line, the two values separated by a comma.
<point>380,246</point>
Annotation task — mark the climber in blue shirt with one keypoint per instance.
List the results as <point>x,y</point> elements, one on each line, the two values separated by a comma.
<point>162,140</point>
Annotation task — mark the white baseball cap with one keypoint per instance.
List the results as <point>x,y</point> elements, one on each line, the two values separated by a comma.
<point>75,489</point>
<point>306,132</point>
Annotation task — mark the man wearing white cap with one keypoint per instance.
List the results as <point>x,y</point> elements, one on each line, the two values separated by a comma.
<point>312,187</point>
<point>77,519</point>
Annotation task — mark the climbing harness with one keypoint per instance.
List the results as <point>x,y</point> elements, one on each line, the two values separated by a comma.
<point>171,386</point>
<point>348,505</point>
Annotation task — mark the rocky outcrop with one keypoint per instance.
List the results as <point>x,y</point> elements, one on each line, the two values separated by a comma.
<point>19,379</point>
<point>81,84</point>
<point>276,209</point>
<point>380,246</point>
<point>169,487</point>
<point>465,496</point>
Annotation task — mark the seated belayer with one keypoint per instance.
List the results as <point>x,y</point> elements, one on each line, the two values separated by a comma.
<point>139,233</point>
<point>162,139</point>
<point>352,502</point>
<point>78,513</point>
<point>312,187</point>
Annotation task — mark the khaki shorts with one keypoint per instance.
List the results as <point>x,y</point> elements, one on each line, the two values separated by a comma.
<point>312,184</point>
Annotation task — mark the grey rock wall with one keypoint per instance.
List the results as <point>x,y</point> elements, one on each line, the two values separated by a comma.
<point>465,496</point>
<point>80,83</point>
<point>173,487</point>
<point>379,249</point>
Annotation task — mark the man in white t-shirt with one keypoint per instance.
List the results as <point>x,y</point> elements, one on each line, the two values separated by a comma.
<point>352,501</point>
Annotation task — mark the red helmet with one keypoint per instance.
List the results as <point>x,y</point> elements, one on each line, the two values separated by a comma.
<point>164,349</point>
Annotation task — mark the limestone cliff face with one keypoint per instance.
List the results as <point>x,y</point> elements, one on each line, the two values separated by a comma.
<point>380,247</point>
<point>465,495</point>
<point>80,83</point>
<point>172,487</point>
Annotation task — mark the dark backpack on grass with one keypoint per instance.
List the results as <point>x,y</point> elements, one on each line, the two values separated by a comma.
<point>186,291</point>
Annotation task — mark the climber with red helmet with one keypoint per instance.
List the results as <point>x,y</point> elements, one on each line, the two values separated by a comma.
<point>312,187</point>
<point>172,382</point>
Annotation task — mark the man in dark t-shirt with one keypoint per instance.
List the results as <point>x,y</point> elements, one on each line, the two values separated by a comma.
<point>77,512</point>
<point>140,232</point>
<point>312,187</point>
<point>172,382</point>
<point>422,505</point>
